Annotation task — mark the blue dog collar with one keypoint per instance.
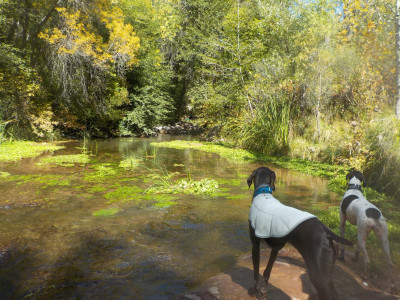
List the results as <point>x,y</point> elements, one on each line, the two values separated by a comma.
<point>263,190</point>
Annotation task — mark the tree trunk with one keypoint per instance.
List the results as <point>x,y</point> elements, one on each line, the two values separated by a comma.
<point>397,108</point>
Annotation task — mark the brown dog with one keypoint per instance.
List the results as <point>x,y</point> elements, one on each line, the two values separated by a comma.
<point>278,224</point>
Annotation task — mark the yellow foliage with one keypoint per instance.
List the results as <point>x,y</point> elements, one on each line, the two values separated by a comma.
<point>122,42</point>
<point>77,37</point>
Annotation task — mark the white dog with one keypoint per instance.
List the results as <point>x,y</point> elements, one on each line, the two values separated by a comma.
<point>356,209</point>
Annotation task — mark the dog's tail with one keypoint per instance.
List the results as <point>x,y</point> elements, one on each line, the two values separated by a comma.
<point>337,238</point>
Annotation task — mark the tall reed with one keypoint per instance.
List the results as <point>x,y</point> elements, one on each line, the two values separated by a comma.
<point>268,130</point>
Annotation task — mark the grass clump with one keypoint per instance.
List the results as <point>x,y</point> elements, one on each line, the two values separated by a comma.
<point>66,160</point>
<point>106,212</point>
<point>15,150</point>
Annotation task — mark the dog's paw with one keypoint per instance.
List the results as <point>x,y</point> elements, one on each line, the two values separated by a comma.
<point>252,291</point>
<point>262,290</point>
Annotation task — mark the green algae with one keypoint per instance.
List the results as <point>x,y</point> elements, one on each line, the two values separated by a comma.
<point>101,172</point>
<point>4,174</point>
<point>238,197</point>
<point>187,186</point>
<point>16,150</point>
<point>96,188</point>
<point>130,163</point>
<point>164,201</point>
<point>106,212</point>
<point>179,165</point>
<point>46,180</point>
<point>124,194</point>
<point>66,160</point>
<point>232,182</point>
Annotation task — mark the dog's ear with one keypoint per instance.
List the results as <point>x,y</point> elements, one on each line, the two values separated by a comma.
<point>251,178</point>
<point>272,179</point>
<point>349,175</point>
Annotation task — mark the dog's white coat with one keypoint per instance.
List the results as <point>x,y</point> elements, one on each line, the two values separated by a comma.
<point>270,218</point>
<point>356,215</point>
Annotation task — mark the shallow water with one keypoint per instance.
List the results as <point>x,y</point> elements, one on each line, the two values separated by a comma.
<point>57,243</point>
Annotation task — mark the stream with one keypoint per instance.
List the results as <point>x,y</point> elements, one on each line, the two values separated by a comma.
<point>90,231</point>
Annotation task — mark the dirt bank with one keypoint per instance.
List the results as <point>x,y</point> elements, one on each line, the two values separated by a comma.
<point>289,280</point>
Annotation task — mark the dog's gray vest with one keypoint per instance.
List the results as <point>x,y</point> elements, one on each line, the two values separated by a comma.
<point>270,218</point>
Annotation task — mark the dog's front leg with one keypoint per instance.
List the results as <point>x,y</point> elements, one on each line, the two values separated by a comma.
<point>255,256</point>
<point>381,232</point>
<point>342,232</point>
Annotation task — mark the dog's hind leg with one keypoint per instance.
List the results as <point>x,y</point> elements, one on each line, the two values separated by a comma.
<point>313,244</point>
<point>362,234</point>
<point>381,233</point>
<point>271,261</point>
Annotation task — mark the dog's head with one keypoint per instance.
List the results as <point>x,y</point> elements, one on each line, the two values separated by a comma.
<point>262,176</point>
<point>356,174</point>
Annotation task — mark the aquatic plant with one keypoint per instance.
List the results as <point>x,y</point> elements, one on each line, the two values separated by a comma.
<point>130,163</point>
<point>106,212</point>
<point>66,160</point>
<point>16,150</point>
<point>102,172</point>
<point>187,186</point>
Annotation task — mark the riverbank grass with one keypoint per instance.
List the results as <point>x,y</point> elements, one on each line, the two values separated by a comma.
<point>11,151</point>
<point>243,156</point>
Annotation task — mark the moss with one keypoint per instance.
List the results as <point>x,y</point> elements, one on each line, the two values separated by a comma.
<point>106,212</point>
<point>16,150</point>
<point>66,160</point>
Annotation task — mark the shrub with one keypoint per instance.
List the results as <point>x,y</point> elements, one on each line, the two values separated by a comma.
<point>383,166</point>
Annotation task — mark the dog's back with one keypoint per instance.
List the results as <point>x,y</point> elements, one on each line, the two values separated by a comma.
<point>356,207</point>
